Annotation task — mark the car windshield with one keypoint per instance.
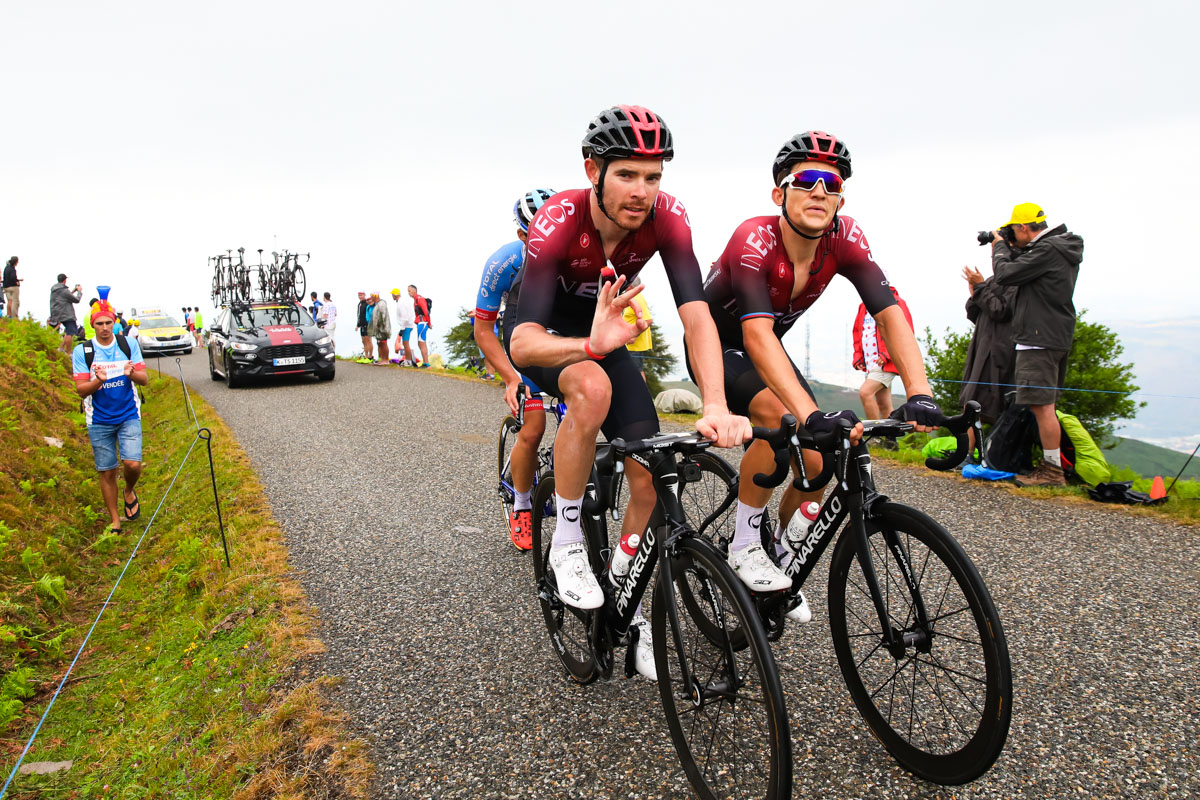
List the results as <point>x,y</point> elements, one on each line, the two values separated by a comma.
<point>247,318</point>
<point>158,322</point>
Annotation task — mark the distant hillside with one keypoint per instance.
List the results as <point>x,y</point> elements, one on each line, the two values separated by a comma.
<point>1150,460</point>
<point>1142,457</point>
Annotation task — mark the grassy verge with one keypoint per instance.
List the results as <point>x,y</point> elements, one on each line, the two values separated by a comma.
<point>195,684</point>
<point>1183,504</point>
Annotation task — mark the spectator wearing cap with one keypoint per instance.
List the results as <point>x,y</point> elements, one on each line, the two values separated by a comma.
<point>62,310</point>
<point>12,288</point>
<point>361,323</point>
<point>1043,263</point>
<point>112,408</point>
<point>380,328</point>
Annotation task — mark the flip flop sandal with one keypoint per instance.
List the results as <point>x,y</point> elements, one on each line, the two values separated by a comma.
<point>136,502</point>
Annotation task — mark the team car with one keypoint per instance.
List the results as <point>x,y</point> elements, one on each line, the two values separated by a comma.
<point>259,340</point>
<point>161,334</point>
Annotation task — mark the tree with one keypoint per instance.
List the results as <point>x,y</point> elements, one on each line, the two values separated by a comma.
<point>1092,365</point>
<point>659,362</point>
<point>460,340</point>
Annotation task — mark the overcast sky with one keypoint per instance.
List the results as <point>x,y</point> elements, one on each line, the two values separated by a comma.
<point>390,140</point>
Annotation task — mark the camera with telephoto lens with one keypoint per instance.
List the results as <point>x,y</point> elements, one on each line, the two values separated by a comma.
<point>987,237</point>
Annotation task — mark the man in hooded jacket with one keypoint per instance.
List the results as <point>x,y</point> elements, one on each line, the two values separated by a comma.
<point>1043,265</point>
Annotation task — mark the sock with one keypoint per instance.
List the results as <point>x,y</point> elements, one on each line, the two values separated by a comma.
<point>567,531</point>
<point>1053,456</point>
<point>749,519</point>
<point>522,500</point>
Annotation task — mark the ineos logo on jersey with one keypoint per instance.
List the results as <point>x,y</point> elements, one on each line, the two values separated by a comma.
<point>581,288</point>
<point>548,218</point>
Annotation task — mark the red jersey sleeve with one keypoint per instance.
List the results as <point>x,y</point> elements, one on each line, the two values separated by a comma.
<point>855,261</point>
<point>673,232</point>
<point>746,255</point>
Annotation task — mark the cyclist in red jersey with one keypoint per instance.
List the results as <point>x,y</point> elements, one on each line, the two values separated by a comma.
<point>569,336</point>
<point>773,269</point>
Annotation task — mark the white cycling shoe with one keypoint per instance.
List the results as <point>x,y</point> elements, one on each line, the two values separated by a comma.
<point>643,656</point>
<point>577,586</point>
<point>801,612</point>
<point>757,571</point>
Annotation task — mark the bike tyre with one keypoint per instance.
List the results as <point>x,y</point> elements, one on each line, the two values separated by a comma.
<point>504,448</point>
<point>971,651</point>
<point>568,628</point>
<point>766,740</point>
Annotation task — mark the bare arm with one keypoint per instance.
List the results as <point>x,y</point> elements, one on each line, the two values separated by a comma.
<point>704,351</point>
<point>769,358</point>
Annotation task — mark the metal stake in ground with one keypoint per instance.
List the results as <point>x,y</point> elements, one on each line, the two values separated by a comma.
<point>206,435</point>
<point>1185,466</point>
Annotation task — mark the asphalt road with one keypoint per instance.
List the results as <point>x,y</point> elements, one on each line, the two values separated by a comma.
<point>384,482</point>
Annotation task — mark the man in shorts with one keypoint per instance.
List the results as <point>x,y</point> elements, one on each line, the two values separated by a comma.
<point>361,322</point>
<point>568,334</point>
<point>772,270</point>
<point>112,408</point>
<point>871,356</point>
<point>1043,263</point>
<point>499,274</point>
<point>328,313</point>
<point>380,328</point>
<point>62,310</point>
<point>424,323</point>
<point>197,327</point>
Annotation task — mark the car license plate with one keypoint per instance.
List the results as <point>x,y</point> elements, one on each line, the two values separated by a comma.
<point>287,362</point>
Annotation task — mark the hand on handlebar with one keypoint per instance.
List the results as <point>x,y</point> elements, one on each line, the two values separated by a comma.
<point>723,428</point>
<point>821,422</point>
<point>925,415</point>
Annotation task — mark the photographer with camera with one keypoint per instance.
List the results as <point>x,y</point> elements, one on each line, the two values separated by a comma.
<point>1043,263</point>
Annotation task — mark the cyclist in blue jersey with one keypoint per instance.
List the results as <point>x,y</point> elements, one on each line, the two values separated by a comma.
<point>502,268</point>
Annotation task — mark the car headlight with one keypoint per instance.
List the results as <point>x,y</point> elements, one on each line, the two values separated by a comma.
<point>322,340</point>
<point>243,346</point>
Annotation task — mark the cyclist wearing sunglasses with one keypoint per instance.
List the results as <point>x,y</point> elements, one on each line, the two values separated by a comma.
<point>773,269</point>
<point>498,276</point>
<point>569,335</point>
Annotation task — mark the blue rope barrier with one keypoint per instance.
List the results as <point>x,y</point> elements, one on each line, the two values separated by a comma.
<point>1064,389</point>
<point>66,675</point>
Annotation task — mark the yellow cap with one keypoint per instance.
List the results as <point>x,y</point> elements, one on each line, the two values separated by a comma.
<point>395,291</point>
<point>1026,214</point>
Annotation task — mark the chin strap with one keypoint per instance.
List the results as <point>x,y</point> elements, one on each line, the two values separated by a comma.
<point>833,228</point>
<point>598,188</point>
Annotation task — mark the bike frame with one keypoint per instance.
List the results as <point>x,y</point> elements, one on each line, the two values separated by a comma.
<point>852,499</point>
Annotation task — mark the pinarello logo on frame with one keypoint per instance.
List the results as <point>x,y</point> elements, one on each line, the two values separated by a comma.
<point>584,241</point>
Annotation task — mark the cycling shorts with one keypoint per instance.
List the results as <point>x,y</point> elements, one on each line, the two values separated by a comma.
<point>422,331</point>
<point>406,334</point>
<point>742,381</point>
<point>631,412</point>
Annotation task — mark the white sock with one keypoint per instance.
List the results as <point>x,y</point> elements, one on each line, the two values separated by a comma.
<point>749,520</point>
<point>568,530</point>
<point>522,500</point>
<point>1053,456</point>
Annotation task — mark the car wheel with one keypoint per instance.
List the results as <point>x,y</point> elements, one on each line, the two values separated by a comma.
<point>231,379</point>
<point>212,369</point>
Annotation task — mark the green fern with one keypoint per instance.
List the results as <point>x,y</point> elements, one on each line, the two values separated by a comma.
<point>52,586</point>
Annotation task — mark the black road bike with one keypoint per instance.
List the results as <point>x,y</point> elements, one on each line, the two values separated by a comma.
<point>717,676</point>
<point>917,636</point>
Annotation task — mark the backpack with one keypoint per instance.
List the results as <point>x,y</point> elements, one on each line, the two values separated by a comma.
<point>1081,456</point>
<point>1009,444</point>
<point>428,305</point>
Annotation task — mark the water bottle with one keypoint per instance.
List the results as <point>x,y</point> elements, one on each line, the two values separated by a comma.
<point>622,556</point>
<point>799,526</point>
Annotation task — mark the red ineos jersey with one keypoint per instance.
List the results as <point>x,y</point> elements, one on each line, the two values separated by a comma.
<point>558,284</point>
<point>755,278</point>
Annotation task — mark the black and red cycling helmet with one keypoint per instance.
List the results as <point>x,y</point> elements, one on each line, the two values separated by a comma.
<point>628,132</point>
<point>811,146</point>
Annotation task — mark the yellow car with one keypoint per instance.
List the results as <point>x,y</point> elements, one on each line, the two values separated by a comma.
<point>161,334</point>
